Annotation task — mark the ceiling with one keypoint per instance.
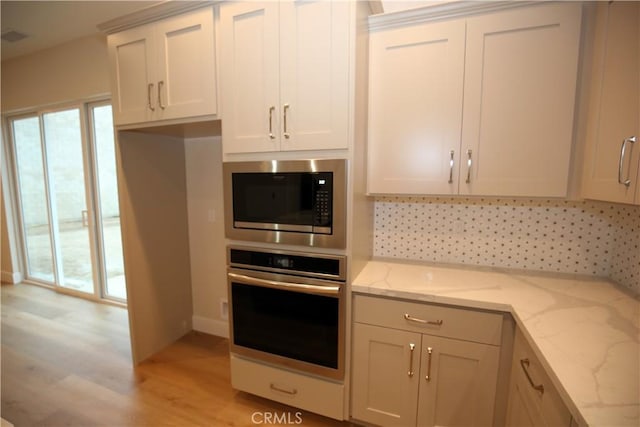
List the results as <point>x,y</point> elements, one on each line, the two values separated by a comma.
<point>50,23</point>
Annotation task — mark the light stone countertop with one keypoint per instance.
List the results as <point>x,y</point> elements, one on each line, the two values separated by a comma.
<point>586,331</point>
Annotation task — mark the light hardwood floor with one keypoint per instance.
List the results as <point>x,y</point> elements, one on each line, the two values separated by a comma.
<point>67,362</point>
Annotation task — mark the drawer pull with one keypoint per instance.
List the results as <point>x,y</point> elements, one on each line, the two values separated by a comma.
<point>525,365</point>
<point>412,347</point>
<point>410,318</point>
<point>429,352</point>
<point>291,392</point>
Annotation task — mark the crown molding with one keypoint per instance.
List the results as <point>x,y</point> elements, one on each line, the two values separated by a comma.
<point>152,13</point>
<point>437,12</point>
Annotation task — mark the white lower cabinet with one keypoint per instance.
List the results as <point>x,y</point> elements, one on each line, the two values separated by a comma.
<point>407,372</point>
<point>533,400</point>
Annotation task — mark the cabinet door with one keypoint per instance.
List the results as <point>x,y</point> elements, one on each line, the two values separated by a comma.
<point>615,105</point>
<point>131,57</point>
<point>314,75</point>
<point>249,77</point>
<point>415,108</point>
<point>385,375</point>
<point>457,382</point>
<point>532,396</point>
<point>521,412</point>
<point>519,96</point>
<point>186,82</point>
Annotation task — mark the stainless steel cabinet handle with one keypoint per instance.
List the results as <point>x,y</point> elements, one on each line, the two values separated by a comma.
<point>149,90</point>
<point>281,390</point>
<point>626,182</point>
<point>160,85</point>
<point>412,347</point>
<point>429,355</point>
<point>525,365</point>
<point>271,110</point>
<point>410,318</point>
<point>285,108</point>
<point>452,154</point>
<point>468,180</point>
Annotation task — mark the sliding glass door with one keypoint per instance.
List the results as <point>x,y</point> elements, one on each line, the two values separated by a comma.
<point>68,200</point>
<point>108,209</point>
<point>32,189</point>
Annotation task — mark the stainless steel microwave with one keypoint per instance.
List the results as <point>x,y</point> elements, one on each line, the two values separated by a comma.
<point>296,202</point>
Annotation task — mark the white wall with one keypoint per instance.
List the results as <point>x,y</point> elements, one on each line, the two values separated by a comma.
<point>72,71</point>
<point>203,158</point>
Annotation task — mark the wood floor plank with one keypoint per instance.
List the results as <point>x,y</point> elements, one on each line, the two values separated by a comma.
<point>67,362</point>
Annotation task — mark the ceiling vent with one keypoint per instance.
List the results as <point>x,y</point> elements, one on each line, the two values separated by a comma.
<point>12,36</point>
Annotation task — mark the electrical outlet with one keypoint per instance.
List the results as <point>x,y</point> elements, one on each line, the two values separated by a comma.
<point>224,309</point>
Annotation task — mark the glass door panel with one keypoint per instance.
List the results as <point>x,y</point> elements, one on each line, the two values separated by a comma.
<point>66,183</point>
<point>33,197</point>
<point>63,142</point>
<point>107,195</point>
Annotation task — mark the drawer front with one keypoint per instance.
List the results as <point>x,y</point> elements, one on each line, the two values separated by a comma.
<point>300,391</point>
<point>448,322</point>
<point>540,396</point>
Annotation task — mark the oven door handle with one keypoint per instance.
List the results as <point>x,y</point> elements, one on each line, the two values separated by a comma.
<point>297,287</point>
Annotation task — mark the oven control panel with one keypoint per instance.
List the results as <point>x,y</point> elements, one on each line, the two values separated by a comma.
<point>299,263</point>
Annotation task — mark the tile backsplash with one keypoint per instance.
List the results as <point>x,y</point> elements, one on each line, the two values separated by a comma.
<point>583,237</point>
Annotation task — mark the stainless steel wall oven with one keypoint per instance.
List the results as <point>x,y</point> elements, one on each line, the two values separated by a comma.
<point>288,308</point>
<point>296,202</point>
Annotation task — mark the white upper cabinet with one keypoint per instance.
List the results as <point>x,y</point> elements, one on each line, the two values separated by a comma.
<point>612,159</point>
<point>520,85</point>
<point>164,70</point>
<point>482,105</point>
<point>284,76</point>
<point>415,108</point>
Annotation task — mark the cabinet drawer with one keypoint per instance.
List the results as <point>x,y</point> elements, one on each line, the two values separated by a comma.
<point>541,399</point>
<point>458,323</point>
<point>300,391</point>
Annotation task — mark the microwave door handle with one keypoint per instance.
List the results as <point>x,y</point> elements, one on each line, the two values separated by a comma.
<point>298,287</point>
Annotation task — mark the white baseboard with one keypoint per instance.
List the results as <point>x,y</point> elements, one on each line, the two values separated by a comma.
<point>9,277</point>
<point>211,326</point>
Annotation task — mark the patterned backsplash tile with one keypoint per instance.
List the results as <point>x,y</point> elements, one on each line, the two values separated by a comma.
<point>593,238</point>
